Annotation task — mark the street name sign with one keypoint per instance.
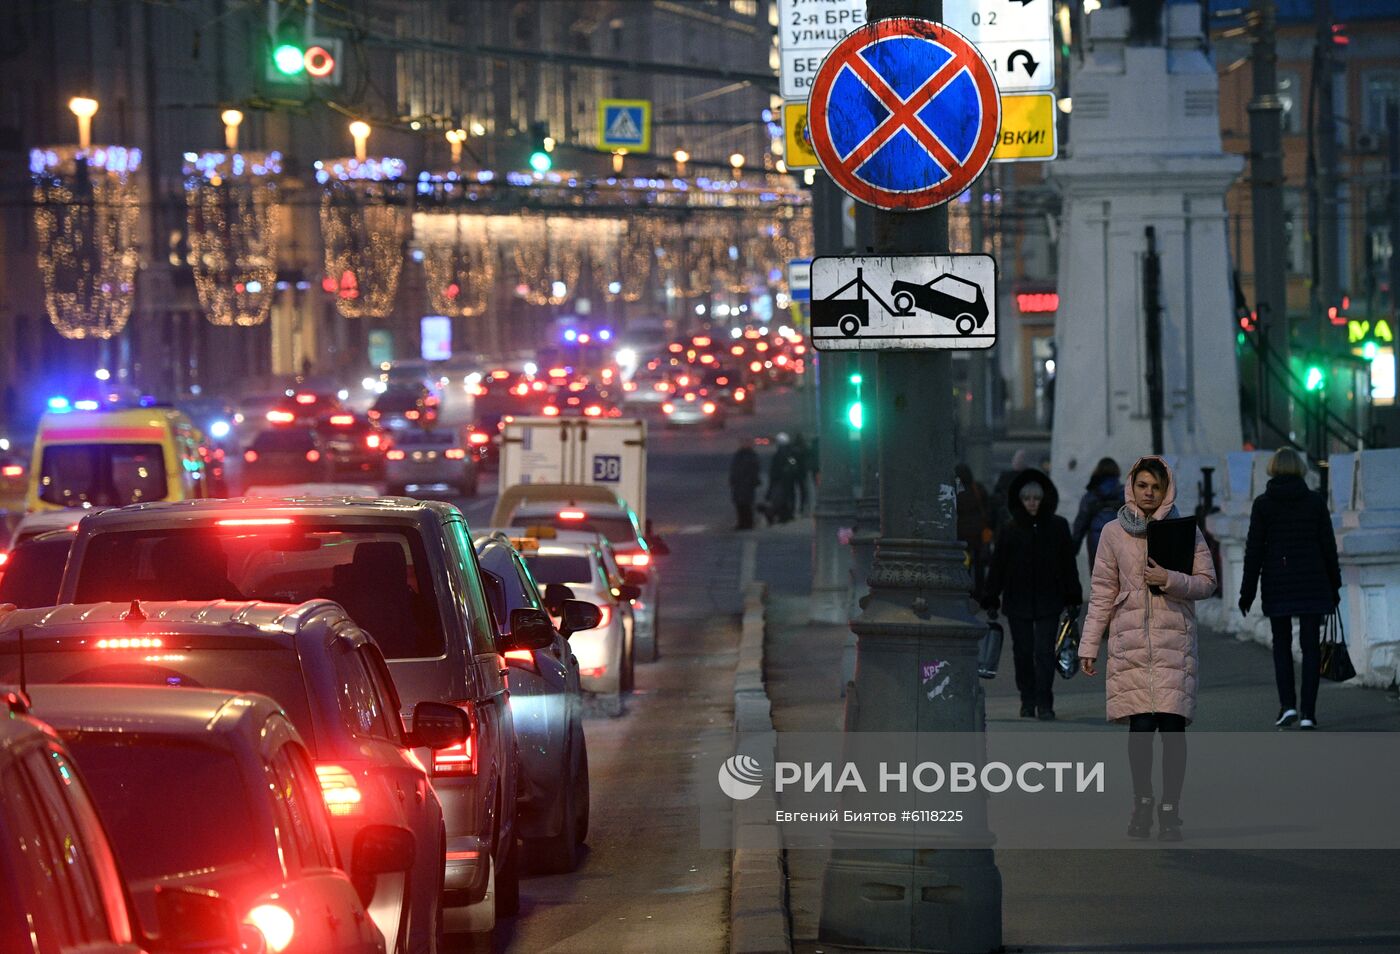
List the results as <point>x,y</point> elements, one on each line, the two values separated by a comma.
<point>904,114</point>
<point>903,302</point>
<point>624,124</point>
<point>1028,128</point>
<point>1016,36</point>
<point>807,30</point>
<point>797,141</point>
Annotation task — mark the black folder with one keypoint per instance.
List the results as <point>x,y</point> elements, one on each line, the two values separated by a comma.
<point>1171,544</point>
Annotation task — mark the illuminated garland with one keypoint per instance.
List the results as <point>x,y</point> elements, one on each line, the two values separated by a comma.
<point>86,214</point>
<point>635,259</point>
<point>530,254</point>
<point>366,217</point>
<point>231,201</point>
<point>461,272</point>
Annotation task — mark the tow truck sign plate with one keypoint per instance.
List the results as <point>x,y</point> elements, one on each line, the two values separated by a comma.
<point>904,303</point>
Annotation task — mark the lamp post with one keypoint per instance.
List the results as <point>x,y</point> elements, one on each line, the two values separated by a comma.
<point>359,130</point>
<point>455,138</point>
<point>681,157</point>
<point>84,108</point>
<point>231,118</point>
<point>736,161</point>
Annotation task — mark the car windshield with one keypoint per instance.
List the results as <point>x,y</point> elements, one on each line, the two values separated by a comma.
<point>421,438</point>
<point>378,574</point>
<point>107,475</point>
<point>615,529</point>
<point>397,401</point>
<point>170,805</point>
<point>560,568</point>
<point>295,441</point>
<point>34,572</point>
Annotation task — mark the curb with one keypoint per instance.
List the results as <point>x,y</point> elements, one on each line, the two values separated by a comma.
<point>758,915</point>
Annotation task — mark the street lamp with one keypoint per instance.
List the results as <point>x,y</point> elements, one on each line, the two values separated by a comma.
<point>84,108</point>
<point>455,138</point>
<point>360,131</point>
<point>617,159</point>
<point>737,161</point>
<point>681,157</point>
<point>231,119</point>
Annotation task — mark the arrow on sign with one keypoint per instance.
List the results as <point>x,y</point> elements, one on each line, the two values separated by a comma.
<point>1031,64</point>
<point>1024,3</point>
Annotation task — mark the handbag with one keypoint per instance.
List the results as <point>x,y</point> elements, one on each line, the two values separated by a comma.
<point>1336,661</point>
<point>1067,645</point>
<point>989,649</point>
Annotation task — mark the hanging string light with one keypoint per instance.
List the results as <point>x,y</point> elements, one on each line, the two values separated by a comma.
<point>460,266</point>
<point>366,218</point>
<point>231,200</point>
<point>530,254</point>
<point>636,256</point>
<point>86,214</point>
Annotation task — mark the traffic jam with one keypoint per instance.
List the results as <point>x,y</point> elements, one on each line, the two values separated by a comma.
<point>268,688</point>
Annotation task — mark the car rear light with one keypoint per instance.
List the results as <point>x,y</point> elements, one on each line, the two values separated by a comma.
<point>4,558</point>
<point>306,399</point>
<point>572,515</point>
<point>340,790</point>
<point>737,350</point>
<point>537,386</point>
<point>251,456</point>
<point>131,642</point>
<point>630,386</point>
<point>455,453</point>
<point>313,455</point>
<point>700,341</point>
<point>614,412</point>
<point>459,759</point>
<point>71,527</point>
<point>275,925</point>
<point>755,366</point>
<point>708,407</point>
<point>597,672</point>
<point>634,559</point>
<point>374,415</point>
<point>395,455</point>
<point>12,470</point>
<point>521,659</point>
<point>478,437</point>
<point>372,441</point>
<point>430,401</point>
<point>593,410</point>
<point>781,360</point>
<point>690,395</point>
<point>281,417</point>
<point>558,373</point>
<point>476,390</point>
<point>668,408</point>
<point>721,380</point>
<point>707,359</point>
<point>739,394</point>
<point>254,522</point>
<point>342,420</point>
<point>551,411</point>
<point>410,415</point>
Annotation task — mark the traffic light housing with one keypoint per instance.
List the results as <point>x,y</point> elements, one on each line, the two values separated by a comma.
<point>540,159</point>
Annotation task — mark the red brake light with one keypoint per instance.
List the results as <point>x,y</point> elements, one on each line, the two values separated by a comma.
<point>667,408</point>
<point>306,399</point>
<point>254,522</point>
<point>4,558</point>
<point>634,559</point>
<point>478,437</point>
<point>281,417</point>
<point>374,415</point>
<point>372,441</point>
<point>455,453</point>
<point>411,415</point>
<point>459,759</point>
<point>395,455</point>
<point>12,470</point>
<point>551,411</point>
<point>593,410</point>
<point>313,455</point>
<point>342,420</point>
<point>520,655</point>
<point>251,456</point>
<point>131,642</point>
<point>275,925</point>
<point>572,515</point>
<point>340,790</point>
<point>708,407</point>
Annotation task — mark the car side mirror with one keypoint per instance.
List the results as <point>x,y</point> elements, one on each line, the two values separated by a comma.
<point>578,616</point>
<point>196,918</point>
<point>555,595</point>
<point>629,591</point>
<point>437,725</point>
<point>658,545</point>
<point>382,849</point>
<point>635,577</point>
<point>530,629</point>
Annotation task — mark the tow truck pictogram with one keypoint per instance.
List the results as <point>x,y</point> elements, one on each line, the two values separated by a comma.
<point>947,296</point>
<point>848,315</point>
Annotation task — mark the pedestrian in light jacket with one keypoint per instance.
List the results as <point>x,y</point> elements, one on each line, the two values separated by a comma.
<point>1032,579</point>
<point>1152,654</point>
<point>1291,547</point>
<point>1098,507</point>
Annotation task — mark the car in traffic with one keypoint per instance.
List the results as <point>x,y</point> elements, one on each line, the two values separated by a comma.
<point>405,571</point>
<point>690,408</point>
<point>33,571</point>
<point>647,390</point>
<point>725,387</point>
<point>546,701</point>
<point>586,401</point>
<point>290,454</point>
<point>424,458</point>
<point>404,406</point>
<point>355,445</point>
<point>213,790</point>
<point>325,672</point>
<point>303,406</point>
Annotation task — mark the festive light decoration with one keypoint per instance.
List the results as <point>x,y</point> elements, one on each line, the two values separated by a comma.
<point>231,201</point>
<point>460,267</point>
<point>366,215</point>
<point>86,214</point>
<point>547,259</point>
<point>635,258</point>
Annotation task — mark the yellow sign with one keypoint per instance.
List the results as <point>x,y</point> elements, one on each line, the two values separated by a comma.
<point>797,151</point>
<point>624,124</point>
<point>1027,128</point>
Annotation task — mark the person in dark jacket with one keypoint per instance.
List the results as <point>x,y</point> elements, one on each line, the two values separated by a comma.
<point>802,455</point>
<point>974,523</point>
<point>782,481</point>
<point>1098,507</point>
<point>1292,547</point>
<point>1032,580</point>
<point>745,473</point>
<point>1003,482</point>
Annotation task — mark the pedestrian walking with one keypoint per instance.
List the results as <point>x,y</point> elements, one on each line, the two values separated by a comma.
<point>745,474</point>
<point>781,481</point>
<point>1291,547</point>
<point>801,455</point>
<point>974,524</point>
<point>1152,652</point>
<point>1032,580</point>
<point>1098,507</point>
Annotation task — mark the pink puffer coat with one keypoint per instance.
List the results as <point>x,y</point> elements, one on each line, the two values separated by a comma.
<point>1152,655</point>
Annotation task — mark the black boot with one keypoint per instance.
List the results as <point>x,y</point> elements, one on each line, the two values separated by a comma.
<point>1168,823</point>
<point>1141,824</point>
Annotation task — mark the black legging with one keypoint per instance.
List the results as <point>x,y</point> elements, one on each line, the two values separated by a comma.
<point>1173,729</point>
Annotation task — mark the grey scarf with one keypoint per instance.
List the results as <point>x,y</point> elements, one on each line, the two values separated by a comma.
<point>1135,523</point>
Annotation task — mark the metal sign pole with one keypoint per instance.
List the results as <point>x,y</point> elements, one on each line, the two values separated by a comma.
<point>945,899</point>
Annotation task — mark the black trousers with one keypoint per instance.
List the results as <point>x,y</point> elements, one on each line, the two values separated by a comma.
<point>1309,632</point>
<point>744,510</point>
<point>1141,727</point>
<point>1033,649</point>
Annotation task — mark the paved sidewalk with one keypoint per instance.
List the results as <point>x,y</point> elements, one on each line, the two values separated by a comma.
<point>1108,901</point>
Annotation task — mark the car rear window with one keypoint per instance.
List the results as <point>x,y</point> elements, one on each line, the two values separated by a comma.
<point>397,401</point>
<point>613,529</point>
<point>560,568</point>
<point>34,573</point>
<point>379,574</point>
<point>170,805</point>
<point>294,441</point>
<point>107,475</point>
<point>420,438</point>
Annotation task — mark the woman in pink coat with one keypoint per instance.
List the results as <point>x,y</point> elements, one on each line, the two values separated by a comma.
<point>1152,658</point>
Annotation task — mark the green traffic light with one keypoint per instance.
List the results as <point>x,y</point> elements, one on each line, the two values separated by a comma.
<point>540,161</point>
<point>1370,350</point>
<point>289,59</point>
<point>856,379</point>
<point>1313,381</point>
<point>855,414</point>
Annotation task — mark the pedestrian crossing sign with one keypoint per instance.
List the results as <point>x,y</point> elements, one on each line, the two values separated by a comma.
<point>624,124</point>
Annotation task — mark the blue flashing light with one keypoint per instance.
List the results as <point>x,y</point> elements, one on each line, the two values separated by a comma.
<point>59,404</point>
<point>570,335</point>
<point>605,335</point>
<point>219,430</point>
<point>85,405</point>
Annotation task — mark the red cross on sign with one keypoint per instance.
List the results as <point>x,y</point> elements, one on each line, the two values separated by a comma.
<point>904,114</point>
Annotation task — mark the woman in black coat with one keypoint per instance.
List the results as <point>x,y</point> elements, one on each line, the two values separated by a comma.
<point>1032,579</point>
<point>1292,546</point>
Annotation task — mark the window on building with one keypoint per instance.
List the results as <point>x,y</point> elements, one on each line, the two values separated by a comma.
<point>1378,91</point>
<point>745,8</point>
<point>1290,86</point>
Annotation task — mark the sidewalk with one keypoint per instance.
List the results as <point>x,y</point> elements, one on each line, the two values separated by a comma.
<point>1102,901</point>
